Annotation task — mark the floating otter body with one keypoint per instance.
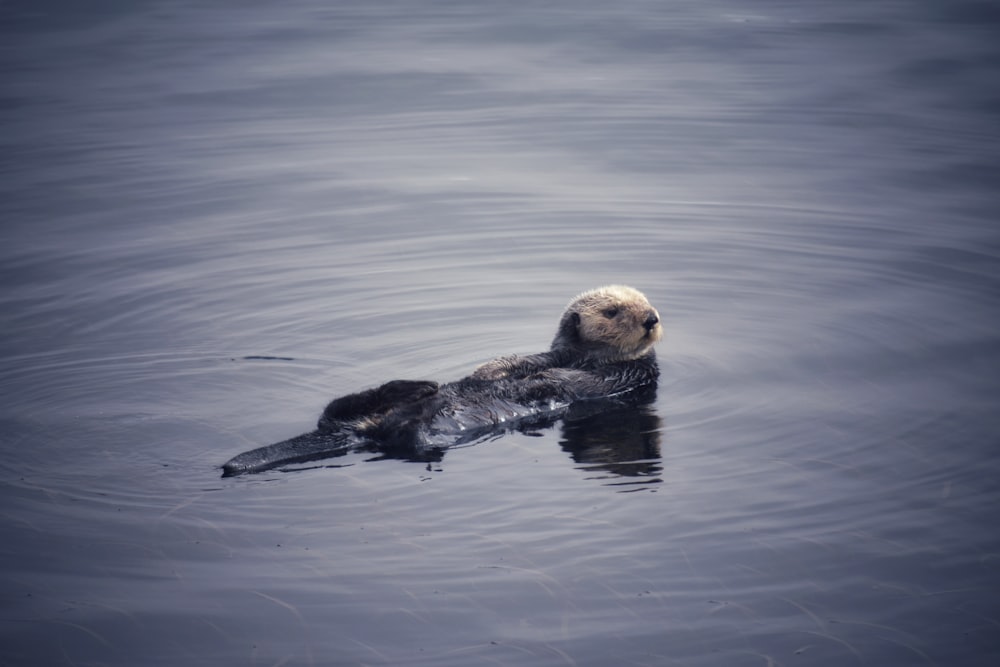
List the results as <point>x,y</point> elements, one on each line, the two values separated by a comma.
<point>602,348</point>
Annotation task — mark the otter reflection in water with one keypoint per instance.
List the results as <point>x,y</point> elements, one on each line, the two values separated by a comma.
<point>619,442</point>
<point>602,351</point>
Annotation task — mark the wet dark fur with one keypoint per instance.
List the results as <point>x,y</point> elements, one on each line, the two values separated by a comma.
<point>506,393</point>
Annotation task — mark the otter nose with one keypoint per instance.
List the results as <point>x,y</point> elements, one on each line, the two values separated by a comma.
<point>651,321</point>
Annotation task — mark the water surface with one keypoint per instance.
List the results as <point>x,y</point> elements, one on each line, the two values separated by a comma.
<point>214,217</point>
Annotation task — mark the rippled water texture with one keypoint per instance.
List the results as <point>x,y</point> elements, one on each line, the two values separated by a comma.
<point>216,216</point>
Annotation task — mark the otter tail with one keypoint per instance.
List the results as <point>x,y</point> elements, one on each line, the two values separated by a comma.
<point>301,448</point>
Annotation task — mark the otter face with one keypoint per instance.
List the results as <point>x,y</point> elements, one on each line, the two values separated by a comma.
<point>616,322</point>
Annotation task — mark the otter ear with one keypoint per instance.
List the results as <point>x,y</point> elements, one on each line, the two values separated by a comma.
<point>568,334</point>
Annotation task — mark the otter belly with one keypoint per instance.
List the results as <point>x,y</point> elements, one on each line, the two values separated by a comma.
<point>461,423</point>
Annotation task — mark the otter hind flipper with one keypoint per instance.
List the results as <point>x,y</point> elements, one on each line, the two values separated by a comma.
<point>405,391</point>
<point>376,401</point>
<point>301,448</point>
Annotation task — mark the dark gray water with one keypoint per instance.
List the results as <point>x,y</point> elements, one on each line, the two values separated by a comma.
<point>808,192</point>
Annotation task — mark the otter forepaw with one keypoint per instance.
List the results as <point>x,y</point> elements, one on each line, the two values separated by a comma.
<point>497,369</point>
<point>490,371</point>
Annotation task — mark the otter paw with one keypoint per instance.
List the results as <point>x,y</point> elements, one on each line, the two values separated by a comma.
<point>492,370</point>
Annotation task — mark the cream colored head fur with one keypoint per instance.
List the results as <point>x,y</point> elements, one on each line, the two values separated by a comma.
<point>610,323</point>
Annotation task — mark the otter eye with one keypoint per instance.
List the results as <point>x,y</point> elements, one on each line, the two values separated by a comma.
<point>610,313</point>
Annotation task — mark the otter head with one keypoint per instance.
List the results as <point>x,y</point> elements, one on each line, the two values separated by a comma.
<point>613,323</point>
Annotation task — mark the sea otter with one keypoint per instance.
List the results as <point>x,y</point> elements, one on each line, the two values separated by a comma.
<point>603,348</point>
